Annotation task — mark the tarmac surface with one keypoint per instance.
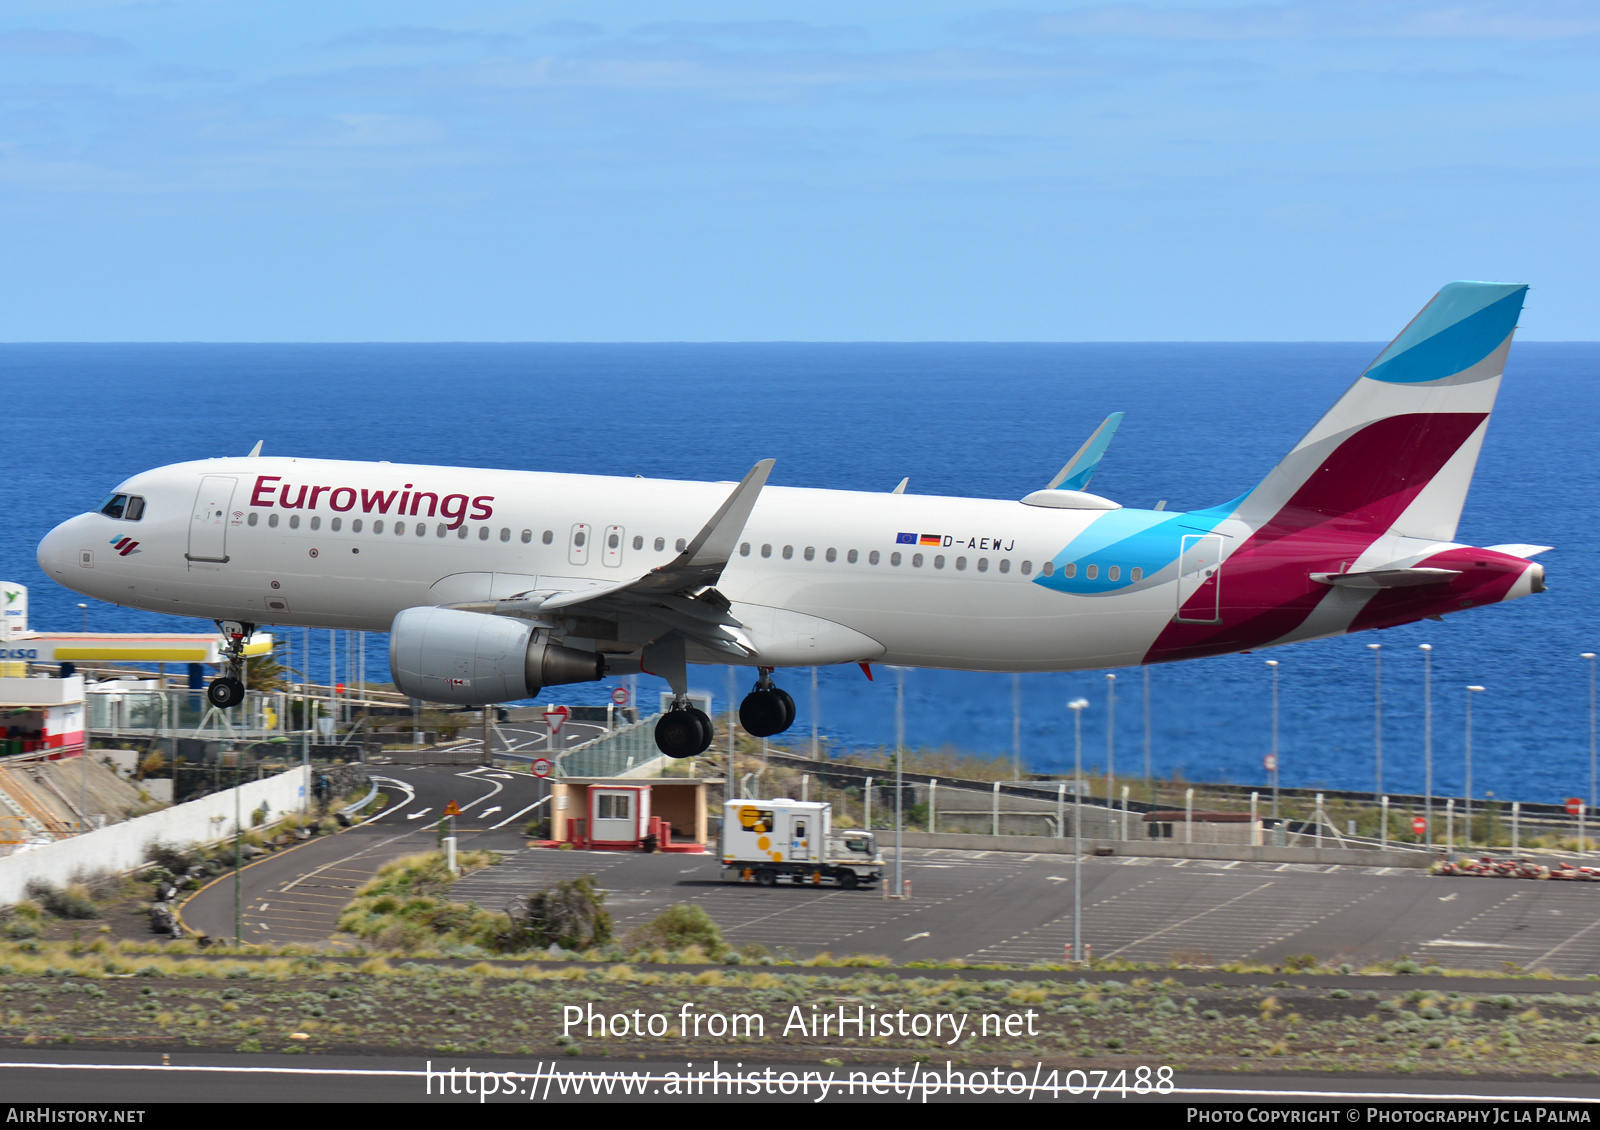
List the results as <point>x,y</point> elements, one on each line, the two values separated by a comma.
<point>979,906</point>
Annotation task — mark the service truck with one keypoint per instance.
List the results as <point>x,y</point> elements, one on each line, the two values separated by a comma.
<point>763,841</point>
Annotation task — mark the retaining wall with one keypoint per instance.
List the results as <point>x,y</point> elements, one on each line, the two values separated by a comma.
<point>124,847</point>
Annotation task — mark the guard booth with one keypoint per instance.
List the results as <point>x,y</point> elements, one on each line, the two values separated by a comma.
<point>628,814</point>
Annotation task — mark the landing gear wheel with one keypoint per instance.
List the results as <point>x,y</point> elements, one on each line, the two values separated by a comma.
<point>788,707</point>
<point>707,731</point>
<point>225,692</point>
<point>848,880</point>
<point>764,713</point>
<point>679,733</point>
<point>767,878</point>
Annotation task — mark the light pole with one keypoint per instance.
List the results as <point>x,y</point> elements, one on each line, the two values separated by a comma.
<point>1016,725</point>
<point>84,608</point>
<point>1470,692</point>
<point>1427,739</point>
<point>1273,664</point>
<point>815,756</point>
<point>1589,655</point>
<point>899,784</point>
<point>1377,716</point>
<point>1147,777</point>
<point>1111,738</point>
<point>1077,706</point>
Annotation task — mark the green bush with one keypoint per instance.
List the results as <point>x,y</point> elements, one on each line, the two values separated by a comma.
<point>570,914</point>
<point>679,927</point>
<point>73,901</point>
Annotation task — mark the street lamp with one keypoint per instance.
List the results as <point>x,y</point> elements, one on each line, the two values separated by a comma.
<point>1377,715</point>
<point>1427,739</point>
<point>84,608</point>
<point>1147,778</point>
<point>1016,725</point>
<point>1589,655</point>
<point>1470,692</point>
<point>1111,737</point>
<point>1273,664</point>
<point>1077,706</point>
<point>899,779</point>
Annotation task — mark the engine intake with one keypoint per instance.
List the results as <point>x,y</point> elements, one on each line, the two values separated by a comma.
<point>472,658</point>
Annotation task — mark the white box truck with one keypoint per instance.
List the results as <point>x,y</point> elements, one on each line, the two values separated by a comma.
<point>763,841</point>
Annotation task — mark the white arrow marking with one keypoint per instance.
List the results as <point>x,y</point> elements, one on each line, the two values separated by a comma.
<point>490,811</point>
<point>914,937</point>
<point>419,815</point>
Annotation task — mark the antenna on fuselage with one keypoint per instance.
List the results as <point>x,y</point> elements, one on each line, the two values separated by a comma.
<point>256,450</point>
<point>901,489</point>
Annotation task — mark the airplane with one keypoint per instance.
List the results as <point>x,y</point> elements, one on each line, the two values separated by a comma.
<point>494,584</point>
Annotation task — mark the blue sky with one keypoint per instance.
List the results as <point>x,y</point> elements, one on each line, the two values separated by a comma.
<point>200,170</point>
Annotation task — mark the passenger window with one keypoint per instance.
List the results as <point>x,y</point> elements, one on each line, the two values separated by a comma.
<point>613,541</point>
<point>661,544</point>
<point>1091,572</point>
<point>1114,573</point>
<point>483,533</point>
<point>250,521</point>
<point>272,521</point>
<point>334,525</point>
<point>527,537</point>
<point>294,521</point>
<point>461,531</point>
<point>316,522</point>
<point>549,536</point>
<point>983,564</point>
<point>916,560</point>
<point>766,550</point>
<point>1049,567</point>
<point>1005,565</point>
<point>682,545</point>
<point>788,552</point>
<point>355,526</point>
<point>961,562</point>
<point>894,558</point>
<point>872,558</point>
<point>1136,574</point>
<point>1027,568</point>
<point>744,549</point>
<point>443,529</point>
<point>505,533</point>
<point>811,553</point>
<point>638,543</point>
<point>938,562</point>
<point>852,557</point>
<point>833,555</point>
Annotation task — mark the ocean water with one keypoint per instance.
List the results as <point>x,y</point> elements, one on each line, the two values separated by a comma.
<point>1204,423</point>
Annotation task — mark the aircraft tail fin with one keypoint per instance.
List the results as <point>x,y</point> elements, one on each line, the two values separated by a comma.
<point>1398,449</point>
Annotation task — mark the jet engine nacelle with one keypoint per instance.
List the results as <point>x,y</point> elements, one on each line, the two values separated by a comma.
<point>472,658</point>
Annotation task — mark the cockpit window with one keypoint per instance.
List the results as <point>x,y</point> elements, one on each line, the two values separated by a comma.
<point>128,507</point>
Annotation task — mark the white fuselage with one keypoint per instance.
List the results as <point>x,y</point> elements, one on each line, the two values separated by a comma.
<point>970,602</point>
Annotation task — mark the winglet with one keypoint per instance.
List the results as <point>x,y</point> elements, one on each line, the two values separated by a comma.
<point>713,545</point>
<point>1081,467</point>
<point>901,489</point>
<point>256,450</point>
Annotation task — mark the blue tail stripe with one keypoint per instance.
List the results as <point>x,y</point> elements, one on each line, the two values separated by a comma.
<point>1433,348</point>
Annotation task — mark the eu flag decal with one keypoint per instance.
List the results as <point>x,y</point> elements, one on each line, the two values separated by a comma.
<point>905,539</point>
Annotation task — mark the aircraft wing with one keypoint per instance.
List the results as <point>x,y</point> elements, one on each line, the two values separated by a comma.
<point>678,595</point>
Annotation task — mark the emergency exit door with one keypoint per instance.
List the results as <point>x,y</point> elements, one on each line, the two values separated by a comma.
<point>208,525</point>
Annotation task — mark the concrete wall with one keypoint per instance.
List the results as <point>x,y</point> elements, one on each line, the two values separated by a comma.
<point>1165,849</point>
<point>124,847</point>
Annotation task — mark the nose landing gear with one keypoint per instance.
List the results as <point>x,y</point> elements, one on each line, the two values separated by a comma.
<point>767,709</point>
<point>227,689</point>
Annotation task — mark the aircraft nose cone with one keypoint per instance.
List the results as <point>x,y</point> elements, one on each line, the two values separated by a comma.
<point>54,549</point>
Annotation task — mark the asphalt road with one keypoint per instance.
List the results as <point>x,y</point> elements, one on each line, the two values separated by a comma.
<point>132,1080</point>
<point>296,895</point>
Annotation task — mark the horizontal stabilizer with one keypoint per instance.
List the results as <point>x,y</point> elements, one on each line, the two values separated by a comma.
<point>1387,578</point>
<point>1517,549</point>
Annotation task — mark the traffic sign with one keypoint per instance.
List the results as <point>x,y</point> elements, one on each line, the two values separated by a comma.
<point>1271,762</point>
<point>1574,806</point>
<point>555,717</point>
<point>541,767</point>
<point>1419,825</point>
<point>452,809</point>
<point>619,696</point>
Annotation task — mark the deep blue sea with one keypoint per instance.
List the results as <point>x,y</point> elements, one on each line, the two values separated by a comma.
<point>1204,423</point>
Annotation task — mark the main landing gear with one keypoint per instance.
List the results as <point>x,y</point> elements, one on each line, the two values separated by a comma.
<point>227,689</point>
<point>767,709</point>
<point>684,730</point>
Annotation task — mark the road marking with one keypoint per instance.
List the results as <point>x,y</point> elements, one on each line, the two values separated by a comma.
<point>490,811</point>
<point>1057,879</point>
<point>419,815</point>
<point>1448,897</point>
<point>924,934</point>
